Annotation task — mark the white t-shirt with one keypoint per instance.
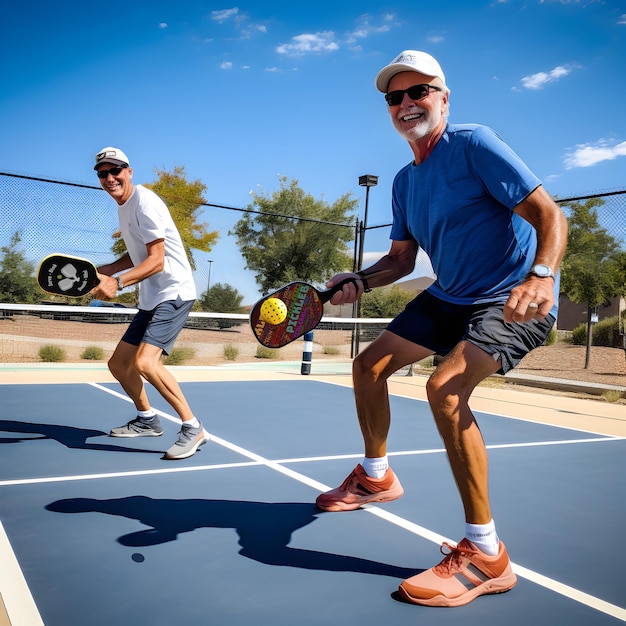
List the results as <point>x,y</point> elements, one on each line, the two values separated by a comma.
<point>144,218</point>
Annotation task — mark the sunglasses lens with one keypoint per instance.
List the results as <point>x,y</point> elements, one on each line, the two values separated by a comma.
<point>114,171</point>
<point>417,92</point>
<point>394,98</point>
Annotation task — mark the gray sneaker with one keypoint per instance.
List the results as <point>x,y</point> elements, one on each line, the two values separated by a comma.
<point>139,427</point>
<point>189,440</point>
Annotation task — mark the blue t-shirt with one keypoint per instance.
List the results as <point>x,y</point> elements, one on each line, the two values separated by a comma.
<point>458,206</point>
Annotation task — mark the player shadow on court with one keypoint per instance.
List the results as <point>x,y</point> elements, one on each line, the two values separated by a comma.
<point>264,529</point>
<point>68,436</point>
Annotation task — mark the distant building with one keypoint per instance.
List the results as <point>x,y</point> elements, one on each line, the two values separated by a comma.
<point>572,315</point>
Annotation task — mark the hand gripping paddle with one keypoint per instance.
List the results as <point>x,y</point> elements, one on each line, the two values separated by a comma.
<point>305,307</point>
<point>67,275</point>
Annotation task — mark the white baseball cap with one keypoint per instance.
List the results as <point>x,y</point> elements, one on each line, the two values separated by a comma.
<point>111,155</point>
<point>409,61</point>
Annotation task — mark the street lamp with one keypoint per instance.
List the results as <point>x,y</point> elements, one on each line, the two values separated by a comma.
<point>367,181</point>
<point>210,262</point>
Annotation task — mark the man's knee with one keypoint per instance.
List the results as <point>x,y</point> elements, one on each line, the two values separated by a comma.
<point>366,372</point>
<point>116,366</point>
<point>445,390</point>
<point>146,364</point>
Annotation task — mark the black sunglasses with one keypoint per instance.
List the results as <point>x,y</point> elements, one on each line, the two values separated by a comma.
<point>416,92</point>
<point>114,171</point>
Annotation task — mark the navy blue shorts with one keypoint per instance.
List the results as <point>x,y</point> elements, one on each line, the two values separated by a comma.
<point>159,327</point>
<point>440,326</point>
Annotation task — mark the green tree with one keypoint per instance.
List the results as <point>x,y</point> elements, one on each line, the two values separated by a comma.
<point>385,302</point>
<point>292,236</point>
<point>17,282</point>
<point>184,200</point>
<point>221,299</point>
<point>592,268</point>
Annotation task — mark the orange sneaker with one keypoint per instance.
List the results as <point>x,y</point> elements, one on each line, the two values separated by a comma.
<point>464,574</point>
<point>358,489</point>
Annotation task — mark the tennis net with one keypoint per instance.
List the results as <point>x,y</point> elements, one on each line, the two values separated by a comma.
<point>73,334</point>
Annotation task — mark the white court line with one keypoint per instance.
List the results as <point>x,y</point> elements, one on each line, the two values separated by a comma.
<point>18,601</point>
<point>549,583</point>
<point>264,461</point>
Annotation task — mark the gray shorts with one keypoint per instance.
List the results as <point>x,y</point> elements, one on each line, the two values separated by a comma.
<point>440,326</point>
<point>159,327</point>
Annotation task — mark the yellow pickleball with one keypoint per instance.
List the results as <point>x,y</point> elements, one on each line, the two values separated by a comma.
<point>273,311</point>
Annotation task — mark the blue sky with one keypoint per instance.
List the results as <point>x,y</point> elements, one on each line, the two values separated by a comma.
<point>241,93</point>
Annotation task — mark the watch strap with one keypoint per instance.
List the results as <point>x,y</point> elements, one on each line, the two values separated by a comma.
<point>366,287</point>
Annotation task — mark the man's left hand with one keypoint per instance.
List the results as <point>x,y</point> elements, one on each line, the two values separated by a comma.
<point>533,299</point>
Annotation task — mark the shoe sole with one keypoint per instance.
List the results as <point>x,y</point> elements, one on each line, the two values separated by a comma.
<point>131,435</point>
<point>502,584</point>
<point>338,505</point>
<point>186,455</point>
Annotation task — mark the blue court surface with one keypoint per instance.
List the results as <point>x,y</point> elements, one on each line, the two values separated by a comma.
<point>100,531</point>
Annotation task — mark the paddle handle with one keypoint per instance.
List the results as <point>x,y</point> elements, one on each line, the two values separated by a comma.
<point>325,296</point>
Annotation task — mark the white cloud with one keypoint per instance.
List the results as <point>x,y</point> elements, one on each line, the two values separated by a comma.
<point>588,155</point>
<point>622,19</point>
<point>365,27</point>
<point>306,43</point>
<point>163,25</point>
<point>226,65</point>
<point>539,80</point>
<point>435,38</point>
<point>224,14</point>
<point>240,21</point>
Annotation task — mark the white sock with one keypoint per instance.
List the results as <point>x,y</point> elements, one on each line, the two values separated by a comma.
<point>193,422</point>
<point>147,414</point>
<point>484,537</point>
<point>375,468</point>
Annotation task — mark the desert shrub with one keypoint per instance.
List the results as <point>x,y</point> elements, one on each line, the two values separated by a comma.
<point>579,335</point>
<point>613,395</point>
<point>604,333</point>
<point>179,355</point>
<point>51,354</point>
<point>332,350</point>
<point>551,338</point>
<point>92,353</point>
<point>231,352</point>
<point>266,353</point>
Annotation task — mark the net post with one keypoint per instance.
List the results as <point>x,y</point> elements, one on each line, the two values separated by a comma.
<point>307,354</point>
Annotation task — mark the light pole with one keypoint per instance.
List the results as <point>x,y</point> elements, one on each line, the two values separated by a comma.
<point>210,262</point>
<point>367,181</point>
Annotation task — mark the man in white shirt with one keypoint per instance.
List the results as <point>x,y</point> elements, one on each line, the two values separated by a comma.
<point>157,261</point>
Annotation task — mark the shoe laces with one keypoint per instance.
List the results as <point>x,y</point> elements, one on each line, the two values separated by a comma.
<point>453,557</point>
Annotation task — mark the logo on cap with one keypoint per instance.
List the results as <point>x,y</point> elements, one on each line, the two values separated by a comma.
<point>106,153</point>
<point>403,58</point>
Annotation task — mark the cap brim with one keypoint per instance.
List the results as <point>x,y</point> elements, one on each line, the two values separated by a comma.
<point>111,161</point>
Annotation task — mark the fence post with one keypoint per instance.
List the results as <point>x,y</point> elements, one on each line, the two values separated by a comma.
<point>307,354</point>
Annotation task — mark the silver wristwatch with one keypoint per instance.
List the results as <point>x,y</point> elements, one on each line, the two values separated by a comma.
<point>120,284</point>
<point>543,271</point>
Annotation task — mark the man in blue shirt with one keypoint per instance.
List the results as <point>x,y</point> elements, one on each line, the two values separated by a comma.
<point>495,239</point>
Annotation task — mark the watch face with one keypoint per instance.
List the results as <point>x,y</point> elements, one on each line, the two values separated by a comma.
<point>542,270</point>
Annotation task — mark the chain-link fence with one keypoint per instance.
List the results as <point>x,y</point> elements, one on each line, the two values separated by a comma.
<point>78,219</point>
